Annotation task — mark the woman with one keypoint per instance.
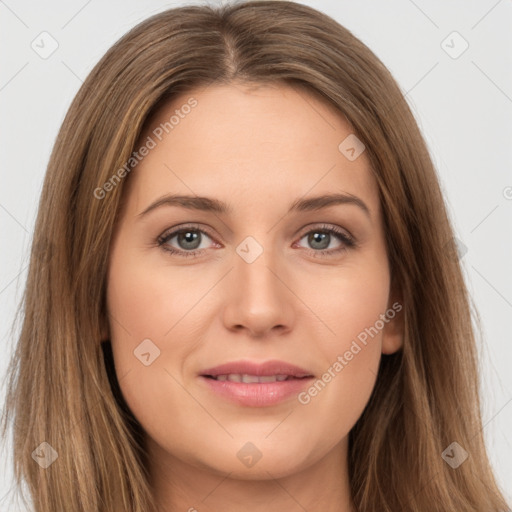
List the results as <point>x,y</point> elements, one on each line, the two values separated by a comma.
<point>243,290</point>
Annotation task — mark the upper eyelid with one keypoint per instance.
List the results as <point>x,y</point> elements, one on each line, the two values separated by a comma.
<point>172,232</point>
<point>324,226</point>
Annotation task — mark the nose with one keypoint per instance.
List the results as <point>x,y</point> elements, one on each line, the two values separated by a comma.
<point>258,298</point>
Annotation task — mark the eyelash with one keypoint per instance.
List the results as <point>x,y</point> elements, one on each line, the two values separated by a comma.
<point>347,241</point>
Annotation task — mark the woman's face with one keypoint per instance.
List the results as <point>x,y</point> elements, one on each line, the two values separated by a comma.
<point>262,271</point>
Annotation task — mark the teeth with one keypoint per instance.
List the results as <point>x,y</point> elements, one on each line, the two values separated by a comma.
<point>270,378</point>
<point>250,379</point>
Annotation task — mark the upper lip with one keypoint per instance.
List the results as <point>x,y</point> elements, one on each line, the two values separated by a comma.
<point>266,368</point>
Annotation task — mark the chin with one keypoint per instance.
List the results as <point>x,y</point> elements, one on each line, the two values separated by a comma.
<point>264,465</point>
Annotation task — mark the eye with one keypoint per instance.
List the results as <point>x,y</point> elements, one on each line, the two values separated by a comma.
<point>191,241</point>
<point>188,241</point>
<point>321,238</point>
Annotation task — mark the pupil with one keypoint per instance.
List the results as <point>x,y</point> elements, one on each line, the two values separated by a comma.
<point>189,240</point>
<point>321,238</point>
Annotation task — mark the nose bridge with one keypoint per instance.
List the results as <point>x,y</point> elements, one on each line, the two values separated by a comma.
<point>258,299</point>
<point>252,269</point>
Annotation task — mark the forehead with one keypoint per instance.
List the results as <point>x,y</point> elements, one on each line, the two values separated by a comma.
<point>241,143</point>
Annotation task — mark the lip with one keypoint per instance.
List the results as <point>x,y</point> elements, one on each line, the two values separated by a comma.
<point>257,394</point>
<point>273,367</point>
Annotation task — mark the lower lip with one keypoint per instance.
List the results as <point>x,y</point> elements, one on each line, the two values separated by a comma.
<point>257,394</point>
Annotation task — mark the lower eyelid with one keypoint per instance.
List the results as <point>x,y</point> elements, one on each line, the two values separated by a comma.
<point>164,239</point>
<point>346,241</point>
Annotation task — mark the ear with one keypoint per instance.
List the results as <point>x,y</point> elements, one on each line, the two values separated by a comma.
<point>393,332</point>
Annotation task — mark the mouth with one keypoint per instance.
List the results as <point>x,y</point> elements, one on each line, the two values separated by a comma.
<point>253,384</point>
<point>251,371</point>
<point>253,379</point>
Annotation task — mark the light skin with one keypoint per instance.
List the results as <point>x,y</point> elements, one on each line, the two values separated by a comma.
<point>258,150</point>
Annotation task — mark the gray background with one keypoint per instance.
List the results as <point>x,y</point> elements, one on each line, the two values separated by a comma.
<point>463,104</point>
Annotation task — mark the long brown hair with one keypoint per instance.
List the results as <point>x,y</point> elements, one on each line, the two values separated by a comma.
<point>62,388</point>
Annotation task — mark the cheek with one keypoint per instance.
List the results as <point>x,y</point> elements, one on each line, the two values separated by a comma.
<point>347,302</point>
<point>147,306</point>
<point>350,305</point>
<point>147,300</point>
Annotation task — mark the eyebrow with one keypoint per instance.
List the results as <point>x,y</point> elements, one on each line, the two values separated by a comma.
<point>208,204</point>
